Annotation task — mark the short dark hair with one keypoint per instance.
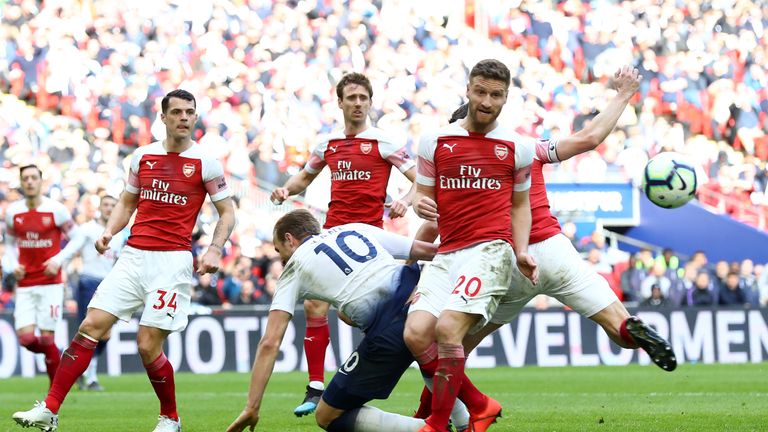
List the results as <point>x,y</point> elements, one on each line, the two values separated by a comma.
<point>491,69</point>
<point>179,94</point>
<point>27,166</point>
<point>460,113</point>
<point>300,223</point>
<point>354,78</point>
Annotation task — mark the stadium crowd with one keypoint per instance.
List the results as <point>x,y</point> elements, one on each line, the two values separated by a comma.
<point>79,79</point>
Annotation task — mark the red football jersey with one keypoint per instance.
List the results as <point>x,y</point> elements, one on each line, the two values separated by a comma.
<point>474,177</point>
<point>35,236</point>
<point>171,189</point>
<point>360,167</point>
<point>543,225</point>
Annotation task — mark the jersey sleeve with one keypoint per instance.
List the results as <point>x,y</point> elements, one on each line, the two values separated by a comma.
<point>316,161</point>
<point>426,163</point>
<point>214,180</point>
<point>392,150</point>
<point>287,291</point>
<point>62,218</point>
<point>10,259</point>
<point>524,151</point>
<point>132,185</point>
<point>75,245</point>
<point>398,246</point>
<point>546,151</point>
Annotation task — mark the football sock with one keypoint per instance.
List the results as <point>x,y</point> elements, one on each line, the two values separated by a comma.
<point>425,401</point>
<point>448,380</point>
<point>52,355</point>
<point>160,373</point>
<point>626,337</point>
<point>316,342</point>
<point>74,361</point>
<point>370,419</point>
<point>459,414</point>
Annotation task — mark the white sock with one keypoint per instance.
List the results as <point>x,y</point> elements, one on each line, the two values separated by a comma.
<point>90,373</point>
<point>459,414</point>
<point>317,385</point>
<point>370,419</point>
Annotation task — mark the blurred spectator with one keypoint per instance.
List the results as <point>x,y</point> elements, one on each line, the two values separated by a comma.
<point>733,294</point>
<point>722,269</point>
<point>657,299</point>
<point>632,279</point>
<point>701,294</point>
<point>681,286</point>
<point>748,283</point>
<point>205,293</point>
<point>658,277</point>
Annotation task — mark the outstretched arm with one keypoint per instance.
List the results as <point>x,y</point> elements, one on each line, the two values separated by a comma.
<point>119,218</point>
<point>295,185</point>
<point>210,261</point>
<point>627,81</point>
<point>263,364</point>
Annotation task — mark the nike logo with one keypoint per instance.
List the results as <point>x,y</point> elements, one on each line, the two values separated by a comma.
<point>151,165</point>
<point>685,185</point>
<point>333,149</point>
<point>445,376</point>
<point>450,146</point>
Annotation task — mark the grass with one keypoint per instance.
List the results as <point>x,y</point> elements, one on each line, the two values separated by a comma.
<point>630,398</point>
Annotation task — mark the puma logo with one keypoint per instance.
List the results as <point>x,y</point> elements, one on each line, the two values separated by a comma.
<point>465,299</point>
<point>70,355</point>
<point>151,164</point>
<point>310,339</point>
<point>333,149</point>
<point>445,376</point>
<point>19,220</point>
<point>162,381</point>
<point>450,146</point>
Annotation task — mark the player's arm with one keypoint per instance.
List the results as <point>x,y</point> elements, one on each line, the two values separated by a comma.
<point>75,245</point>
<point>263,364</point>
<point>399,207</point>
<point>424,202</point>
<point>521,232</point>
<point>210,261</point>
<point>627,81</point>
<point>11,255</point>
<point>119,219</point>
<point>297,184</point>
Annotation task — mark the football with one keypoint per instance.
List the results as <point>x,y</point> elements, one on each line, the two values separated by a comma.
<point>669,180</point>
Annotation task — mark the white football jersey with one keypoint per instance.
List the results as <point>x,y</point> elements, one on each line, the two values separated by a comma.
<point>350,266</point>
<point>83,239</point>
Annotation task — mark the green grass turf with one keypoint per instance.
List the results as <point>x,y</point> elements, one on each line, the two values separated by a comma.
<point>630,398</point>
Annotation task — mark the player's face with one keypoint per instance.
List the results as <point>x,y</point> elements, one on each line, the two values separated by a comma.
<point>31,182</point>
<point>284,249</point>
<point>355,103</point>
<point>106,206</point>
<point>180,118</point>
<point>486,99</point>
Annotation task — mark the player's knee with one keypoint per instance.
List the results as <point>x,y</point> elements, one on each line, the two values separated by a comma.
<point>324,417</point>
<point>314,308</point>
<point>149,348</point>
<point>27,339</point>
<point>447,331</point>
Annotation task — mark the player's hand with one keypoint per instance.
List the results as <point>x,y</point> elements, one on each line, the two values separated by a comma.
<point>19,273</point>
<point>279,195</point>
<point>246,420</point>
<point>397,208</point>
<point>528,267</point>
<point>102,243</point>
<point>51,267</point>
<point>426,208</point>
<point>209,263</point>
<point>627,80</point>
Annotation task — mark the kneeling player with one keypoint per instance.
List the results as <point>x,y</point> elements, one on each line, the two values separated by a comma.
<point>353,268</point>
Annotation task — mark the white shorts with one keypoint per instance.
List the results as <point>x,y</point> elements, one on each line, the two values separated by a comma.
<point>158,281</point>
<point>470,280</point>
<point>564,275</point>
<point>39,305</point>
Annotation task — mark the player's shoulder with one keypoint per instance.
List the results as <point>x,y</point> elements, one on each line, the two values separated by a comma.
<point>51,205</point>
<point>321,144</point>
<point>155,148</point>
<point>381,135</point>
<point>506,133</point>
<point>197,151</point>
<point>450,130</point>
<point>17,207</point>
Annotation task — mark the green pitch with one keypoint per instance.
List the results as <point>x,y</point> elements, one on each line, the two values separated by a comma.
<point>631,398</point>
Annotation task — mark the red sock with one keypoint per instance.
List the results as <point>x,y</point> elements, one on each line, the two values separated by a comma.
<point>447,382</point>
<point>52,355</point>
<point>425,404</point>
<point>625,336</point>
<point>471,396</point>
<point>160,373</point>
<point>316,341</point>
<point>74,362</point>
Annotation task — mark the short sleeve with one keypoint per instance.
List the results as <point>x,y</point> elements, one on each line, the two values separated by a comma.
<point>524,151</point>
<point>426,163</point>
<point>546,151</point>
<point>316,161</point>
<point>393,151</point>
<point>61,216</point>
<point>287,291</point>
<point>214,180</point>
<point>133,185</point>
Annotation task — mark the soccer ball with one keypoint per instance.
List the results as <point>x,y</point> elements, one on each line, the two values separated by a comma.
<point>669,180</point>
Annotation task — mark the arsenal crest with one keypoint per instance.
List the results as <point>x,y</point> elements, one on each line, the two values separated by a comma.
<point>188,169</point>
<point>501,151</point>
<point>47,220</point>
<point>366,147</point>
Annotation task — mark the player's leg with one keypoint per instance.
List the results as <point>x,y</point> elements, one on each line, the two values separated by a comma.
<point>86,287</point>
<point>632,333</point>
<point>40,307</point>
<point>159,370</point>
<point>363,419</point>
<point>316,340</point>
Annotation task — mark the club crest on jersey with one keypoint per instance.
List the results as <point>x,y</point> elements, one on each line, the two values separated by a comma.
<point>188,169</point>
<point>501,151</point>
<point>366,147</point>
<point>47,220</point>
